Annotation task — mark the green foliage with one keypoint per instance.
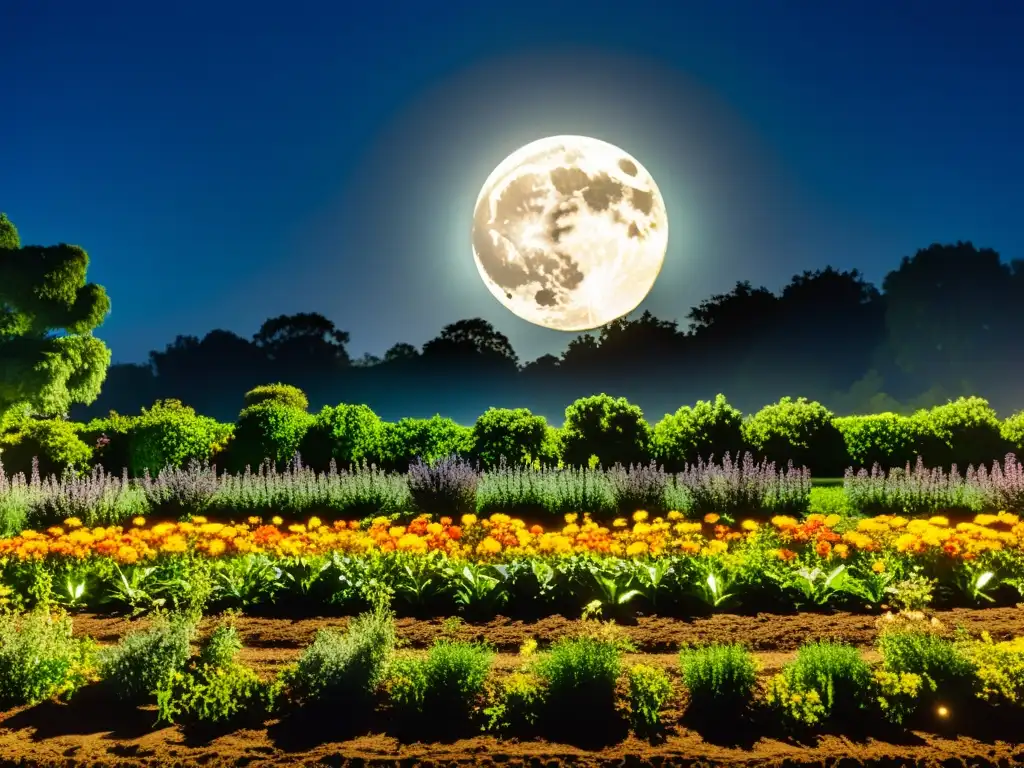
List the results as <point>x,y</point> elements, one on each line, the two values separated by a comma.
<point>285,394</point>
<point>708,429</point>
<point>55,442</point>
<point>829,501</point>
<point>40,658</point>
<point>449,679</point>
<point>826,679</point>
<point>269,430</point>
<point>432,439</point>
<point>801,431</point>
<point>922,651</point>
<point>998,669</point>
<point>607,427</point>
<point>514,434</point>
<point>216,688</point>
<point>515,702</point>
<point>581,673</point>
<point>964,432</point>
<point>51,359</point>
<point>171,435</point>
<point>344,666</point>
<point>719,677</point>
<point>1012,431</point>
<point>348,434</point>
<point>887,439</point>
<point>897,694</point>
<point>146,660</point>
<point>649,689</point>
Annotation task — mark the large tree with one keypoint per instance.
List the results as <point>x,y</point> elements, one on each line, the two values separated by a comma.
<point>49,358</point>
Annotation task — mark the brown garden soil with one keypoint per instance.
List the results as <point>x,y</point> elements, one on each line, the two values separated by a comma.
<point>92,729</point>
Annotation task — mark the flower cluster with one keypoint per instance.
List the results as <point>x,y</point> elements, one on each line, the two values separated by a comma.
<point>491,538</point>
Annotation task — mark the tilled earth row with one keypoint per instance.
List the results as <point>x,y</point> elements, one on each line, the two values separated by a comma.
<point>92,730</point>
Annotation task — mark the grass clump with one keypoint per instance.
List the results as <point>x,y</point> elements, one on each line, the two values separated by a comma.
<point>581,673</point>
<point>144,661</point>
<point>719,678</point>
<point>40,658</point>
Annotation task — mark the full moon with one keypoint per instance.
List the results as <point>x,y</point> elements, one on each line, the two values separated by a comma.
<point>570,233</point>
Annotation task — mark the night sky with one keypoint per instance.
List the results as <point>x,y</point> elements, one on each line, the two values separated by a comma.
<point>226,162</point>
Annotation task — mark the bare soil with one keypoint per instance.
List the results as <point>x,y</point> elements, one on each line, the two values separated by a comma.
<point>92,729</point>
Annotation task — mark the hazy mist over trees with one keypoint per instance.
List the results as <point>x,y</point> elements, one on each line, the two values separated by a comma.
<point>947,321</point>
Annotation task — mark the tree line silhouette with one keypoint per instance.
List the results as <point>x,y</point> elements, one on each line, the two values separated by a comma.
<point>948,321</point>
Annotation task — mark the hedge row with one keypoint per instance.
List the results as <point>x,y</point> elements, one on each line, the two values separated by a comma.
<point>275,424</point>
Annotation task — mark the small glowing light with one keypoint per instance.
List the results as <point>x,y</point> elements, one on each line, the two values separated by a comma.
<point>942,712</point>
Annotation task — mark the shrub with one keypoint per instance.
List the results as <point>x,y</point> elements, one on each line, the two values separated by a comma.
<point>708,429</point>
<point>344,667</point>
<point>580,674</point>
<point>216,689</point>
<point>285,394</point>
<point>964,432</point>
<point>145,661</point>
<point>829,501</point>
<point>826,679</point>
<point>40,658</point>
<point>923,652</point>
<point>345,434</point>
<point>800,431</point>
<point>447,487</point>
<point>515,702</point>
<point>267,431</point>
<point>448,680</point>
<point>998,668</point>
<point>110,439</point>
<point>429,440</point>
<point>610,428</point>
<point>512,434</point>
<point>171,435</point>
<point>649,689</point>
<point>54,442</point>
<point>719,677</point>
<point>1012,431</point>
<point>531,493</point>
<point>887,439</point>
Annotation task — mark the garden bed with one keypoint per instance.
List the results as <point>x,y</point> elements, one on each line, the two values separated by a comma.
<point>92,728</point>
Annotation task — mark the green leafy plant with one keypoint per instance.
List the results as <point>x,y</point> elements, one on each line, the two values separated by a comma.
<point>344,666</point>
<point>449,679</point>
<point>515,702</point>
<point>146,660</point>
<point>580,673</point>
<point>826,679</point>
<point>40,658</point>
<point>918,648</point>
<point>718,677</point>
<point>649,689</point>
<point>998,668</point>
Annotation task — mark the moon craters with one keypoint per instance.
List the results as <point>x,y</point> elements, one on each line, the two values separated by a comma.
<point>627,166</point>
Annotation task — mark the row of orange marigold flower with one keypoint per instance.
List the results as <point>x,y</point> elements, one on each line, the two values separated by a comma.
<point>498,535</point>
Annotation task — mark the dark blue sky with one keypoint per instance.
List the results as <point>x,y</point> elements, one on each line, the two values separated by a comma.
<point>225,162</point>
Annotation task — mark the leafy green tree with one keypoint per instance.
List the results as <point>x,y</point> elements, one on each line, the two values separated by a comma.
<point>47,315</point>
<point>708,429</point>
<point>613,429</point>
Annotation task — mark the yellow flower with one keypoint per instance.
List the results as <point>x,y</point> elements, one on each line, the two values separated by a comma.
<point>410,542</point>
<point>127,554</point>
<point>297,528</point>
<point>675,515</point>
<point>468,519</point>
<point>199,520</point>
<point>619,522</point>
<point>276,520</point>
<point>711,518</point>
<point>784,521</point>
<point>73,522</point>
<point>489,546</point>
<point>898,522</point>
<point>217,547</point>
<point>832,521</point>
<point>941,522</point>
<point>878,566</point>
<point>435,528</point>
<point>571,518</point>
<point>749,525</point>
<point>139,521</point>
<point>641,529</point>
<point>639,516</point>
<point>314,522</point>
<point>717,547</point>
<point>636,548</point>
<point>253,520</point>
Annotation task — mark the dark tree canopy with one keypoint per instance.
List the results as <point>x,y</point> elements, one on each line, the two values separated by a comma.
<point>49,358</point>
